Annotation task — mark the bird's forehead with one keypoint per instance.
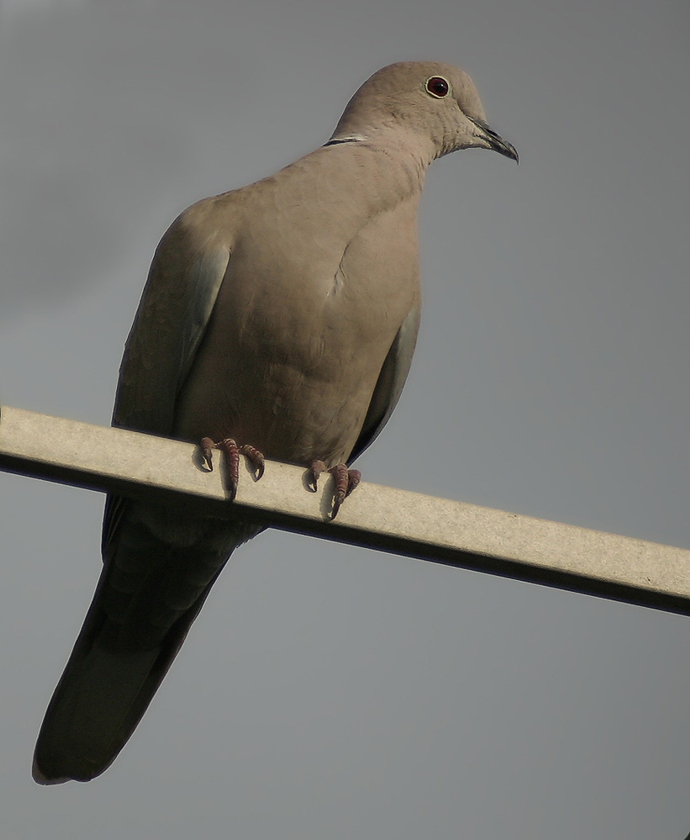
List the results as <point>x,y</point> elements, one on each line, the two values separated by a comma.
<point>411,76</point>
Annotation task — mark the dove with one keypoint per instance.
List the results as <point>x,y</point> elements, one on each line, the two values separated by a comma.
<point>278,320</point>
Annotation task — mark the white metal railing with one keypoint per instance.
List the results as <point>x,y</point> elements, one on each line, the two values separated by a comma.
<point>411,524</point>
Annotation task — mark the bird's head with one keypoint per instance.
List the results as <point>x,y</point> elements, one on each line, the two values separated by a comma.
<point>432,104</point>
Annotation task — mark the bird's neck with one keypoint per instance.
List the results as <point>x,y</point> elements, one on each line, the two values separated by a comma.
<point>383,170</point>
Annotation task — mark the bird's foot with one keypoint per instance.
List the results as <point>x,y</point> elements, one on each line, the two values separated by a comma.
<point>232,453</point>
<point>345,481</point>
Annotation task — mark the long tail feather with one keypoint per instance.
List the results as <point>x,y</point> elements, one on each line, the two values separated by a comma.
<point>149,594</point>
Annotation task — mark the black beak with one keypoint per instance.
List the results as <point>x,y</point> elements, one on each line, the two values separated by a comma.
<point>496,142</point>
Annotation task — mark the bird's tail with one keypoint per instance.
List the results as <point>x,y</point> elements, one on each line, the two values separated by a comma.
<point>148,595</point>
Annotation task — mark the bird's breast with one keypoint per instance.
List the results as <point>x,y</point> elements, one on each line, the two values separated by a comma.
<point>299,334</point>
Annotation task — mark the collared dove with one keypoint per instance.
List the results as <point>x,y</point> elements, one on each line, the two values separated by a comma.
<point>283,315</point>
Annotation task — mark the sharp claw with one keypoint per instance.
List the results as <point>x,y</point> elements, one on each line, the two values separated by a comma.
<point>207,446</point>
<point>256,459</point>
<point>339,473</point>
<point>316,468</point>
<point>345,482</point>
<point>232,453</point>
<point>353,479</point>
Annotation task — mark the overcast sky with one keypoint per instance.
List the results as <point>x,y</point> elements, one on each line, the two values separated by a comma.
<point>327,692</point>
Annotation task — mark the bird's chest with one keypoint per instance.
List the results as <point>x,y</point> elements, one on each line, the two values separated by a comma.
<point>315,296</point>
<point>299,335</point>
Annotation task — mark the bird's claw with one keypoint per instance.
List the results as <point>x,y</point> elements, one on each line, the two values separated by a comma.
<point>207,452</point>
<point>232,452</point>
<point>345,481</point>
<point>255,458</point>
<point>315,470</point>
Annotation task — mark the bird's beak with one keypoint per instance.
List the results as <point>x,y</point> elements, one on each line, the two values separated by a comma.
<point>496,142</point>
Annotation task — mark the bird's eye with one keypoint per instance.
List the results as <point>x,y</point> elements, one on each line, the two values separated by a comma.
<point>437,86</point>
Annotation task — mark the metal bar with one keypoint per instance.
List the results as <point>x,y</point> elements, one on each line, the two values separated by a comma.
<point>424,527</point>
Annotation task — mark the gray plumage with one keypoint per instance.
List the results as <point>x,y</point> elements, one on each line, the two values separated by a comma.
<point>284,315</point>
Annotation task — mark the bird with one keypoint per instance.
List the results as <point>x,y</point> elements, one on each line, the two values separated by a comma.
<point>279,320</point>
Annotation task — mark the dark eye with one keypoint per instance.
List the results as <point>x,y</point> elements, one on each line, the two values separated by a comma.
<point>437,86</point>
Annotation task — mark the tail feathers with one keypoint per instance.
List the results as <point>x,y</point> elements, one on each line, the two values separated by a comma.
<point>95,708</point>
<point>150,592</point>
<point>100,700</point>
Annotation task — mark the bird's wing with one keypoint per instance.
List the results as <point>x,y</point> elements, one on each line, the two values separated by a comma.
<point>182,287</point>
<point>183,283</point>
<point>390,383</point>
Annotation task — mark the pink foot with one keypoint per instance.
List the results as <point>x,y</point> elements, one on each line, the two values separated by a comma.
<point>232,454</point>
<point>345,481</point>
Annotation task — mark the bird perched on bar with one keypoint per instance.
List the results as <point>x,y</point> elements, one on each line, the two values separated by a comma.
<point>278,319</point>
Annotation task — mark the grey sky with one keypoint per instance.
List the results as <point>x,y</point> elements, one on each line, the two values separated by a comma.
<point>329,692</point>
